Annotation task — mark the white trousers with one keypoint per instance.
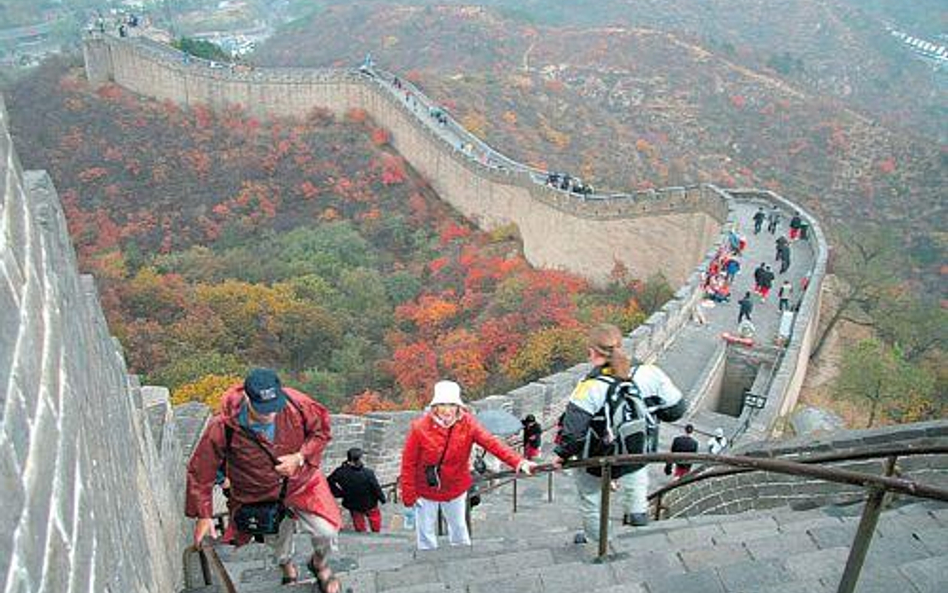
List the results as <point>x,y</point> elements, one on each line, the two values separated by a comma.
<point>426,522</point>
<point>633,496</point>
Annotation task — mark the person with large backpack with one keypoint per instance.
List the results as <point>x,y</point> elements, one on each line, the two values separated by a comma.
<point>615,410</point>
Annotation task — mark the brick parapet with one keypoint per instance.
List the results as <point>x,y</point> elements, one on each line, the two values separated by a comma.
<point>763,490</point>
<point>91,475</point>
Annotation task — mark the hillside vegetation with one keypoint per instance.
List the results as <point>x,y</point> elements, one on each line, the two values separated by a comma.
<point>220,241</point>
<point>675,93</point>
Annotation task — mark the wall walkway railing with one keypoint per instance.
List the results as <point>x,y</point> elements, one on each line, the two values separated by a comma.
<point>876,486</point>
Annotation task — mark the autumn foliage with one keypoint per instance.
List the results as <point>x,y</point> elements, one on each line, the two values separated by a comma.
<point>220,241</point>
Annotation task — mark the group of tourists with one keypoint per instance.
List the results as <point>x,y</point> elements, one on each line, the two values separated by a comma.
<point>566,182</point>
<point>267,444</point>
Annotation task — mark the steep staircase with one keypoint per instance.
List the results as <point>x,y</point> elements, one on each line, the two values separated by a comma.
<point>532,551</point>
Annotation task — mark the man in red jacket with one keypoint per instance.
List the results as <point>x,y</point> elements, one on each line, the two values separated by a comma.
<point>436,468</point>
<point>268,434</point>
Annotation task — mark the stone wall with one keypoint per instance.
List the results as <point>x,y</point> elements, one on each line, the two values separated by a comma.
<point>91,468</point>
<point>762,490</point>
<point>793,361</point>
<point>660,231</point>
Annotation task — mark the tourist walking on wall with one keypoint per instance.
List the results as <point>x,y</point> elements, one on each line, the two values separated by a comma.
<point>795,223</point>
<point>759,217</point>
<point>360,491</point>
<point>766,282</point>
<point>271,439</point>
<point>783,255</point>
<point>585,425</point>
<point>759,276</point>
<point>785,294</point>
<point>683,443</point>
<point>773,220</point>
<point>732,268</point>
<point>746,308</point>
<point>718,442</point>
<point>532,437</point>
<point>436,467</point>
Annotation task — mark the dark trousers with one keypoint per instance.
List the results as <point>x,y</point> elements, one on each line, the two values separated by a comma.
<point>784,305</point>
<point>784,265</point>
<point>741,315</point>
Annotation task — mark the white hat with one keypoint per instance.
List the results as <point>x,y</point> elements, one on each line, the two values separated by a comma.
<point>446,392</point>
<point>719,432</point>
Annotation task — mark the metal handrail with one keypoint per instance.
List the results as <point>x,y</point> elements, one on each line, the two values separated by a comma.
<point>713,472</point>
<point>209,559</point>
<point>876,485</point>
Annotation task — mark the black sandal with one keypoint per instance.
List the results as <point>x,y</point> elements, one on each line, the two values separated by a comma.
<point>289,580</point>
<point>322,585</point>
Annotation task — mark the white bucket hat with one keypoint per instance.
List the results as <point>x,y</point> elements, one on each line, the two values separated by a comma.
<point>446,393</point>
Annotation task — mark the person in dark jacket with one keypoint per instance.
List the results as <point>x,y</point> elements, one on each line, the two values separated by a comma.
<point>747,307</point>
<point>683,443</point>
<point>773,220</point>
<point>532,435</point>
<point>359,490</point>
<point>759,217</point>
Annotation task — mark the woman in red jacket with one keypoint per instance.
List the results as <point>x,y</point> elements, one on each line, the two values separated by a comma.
<point>436,470</point>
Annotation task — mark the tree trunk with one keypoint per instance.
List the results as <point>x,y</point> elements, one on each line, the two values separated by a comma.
<point>829,327</point>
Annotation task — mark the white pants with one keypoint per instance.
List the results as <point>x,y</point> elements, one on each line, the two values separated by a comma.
<point>321,531</point>
<point>426,522</point>
<point>633,496</point>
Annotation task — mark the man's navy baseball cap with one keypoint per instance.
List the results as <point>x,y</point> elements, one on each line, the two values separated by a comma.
<point>263,388</point>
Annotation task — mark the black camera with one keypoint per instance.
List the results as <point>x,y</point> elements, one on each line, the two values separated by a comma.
<point>433,476</point>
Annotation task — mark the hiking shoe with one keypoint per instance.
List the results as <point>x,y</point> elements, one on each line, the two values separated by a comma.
<point>580,538</point>
<point>635,519</point>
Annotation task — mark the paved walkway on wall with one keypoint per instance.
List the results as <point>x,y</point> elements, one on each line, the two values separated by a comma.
<point>695,345</point>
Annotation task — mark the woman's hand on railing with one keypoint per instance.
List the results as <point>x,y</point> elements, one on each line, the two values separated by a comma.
<point>526,467</point>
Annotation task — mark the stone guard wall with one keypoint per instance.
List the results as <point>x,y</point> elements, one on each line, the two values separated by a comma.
<point>91,487</point>
<point>765,490</point>
<point>658,231</point>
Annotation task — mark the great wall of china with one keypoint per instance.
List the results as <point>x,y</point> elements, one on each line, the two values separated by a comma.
<point>121,446</point>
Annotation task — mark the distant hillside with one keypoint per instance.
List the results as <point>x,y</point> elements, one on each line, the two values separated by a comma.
<point>633,107</point>
<point>220,241</point>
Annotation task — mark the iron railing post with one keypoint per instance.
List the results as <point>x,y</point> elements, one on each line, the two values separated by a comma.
<point>515,495</point>
<point>606,491</point>
<point>440,522</point>
<point>864,533</point>
<point>205,567</point>
<point>549,487</point>
<point>658,507</point>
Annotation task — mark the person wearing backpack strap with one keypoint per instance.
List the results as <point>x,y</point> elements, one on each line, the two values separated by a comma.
<point>614,410</point>
<point>272,439</point>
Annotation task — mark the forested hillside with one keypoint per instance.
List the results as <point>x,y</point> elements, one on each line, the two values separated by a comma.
<point>221,241</point>
<point>679,94</point>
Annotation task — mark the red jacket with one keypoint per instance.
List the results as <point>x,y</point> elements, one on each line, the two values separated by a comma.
<point>426,439</point>
<point>303,427</point>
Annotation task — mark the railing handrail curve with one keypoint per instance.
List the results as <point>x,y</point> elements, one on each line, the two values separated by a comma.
<point>907,450</point>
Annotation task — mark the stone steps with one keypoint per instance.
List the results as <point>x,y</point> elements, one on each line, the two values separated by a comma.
<point>760,552</point>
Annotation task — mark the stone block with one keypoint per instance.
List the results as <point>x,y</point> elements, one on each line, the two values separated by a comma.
<point>11,486</point>
<point>412,574</point>
<point>711,556</point>
<point>927,576</point>
<point>826,565</point>
<point>57,570</point>
<point>779,546</point>
<point>577,576</point>
<point>753,575</point>
<point>703,581</point>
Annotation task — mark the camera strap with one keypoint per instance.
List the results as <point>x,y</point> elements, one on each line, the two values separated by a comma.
<point>446,441</point>
<point>252,436</point>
